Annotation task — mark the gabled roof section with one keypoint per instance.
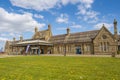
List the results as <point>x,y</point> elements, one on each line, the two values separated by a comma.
<point>82,36</point>
<point>103,27</point>
<point>40,34</point>
<point>75,37</point>
<point>58,38</point>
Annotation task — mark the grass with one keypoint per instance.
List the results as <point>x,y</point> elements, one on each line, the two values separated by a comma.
<point>59,68</point>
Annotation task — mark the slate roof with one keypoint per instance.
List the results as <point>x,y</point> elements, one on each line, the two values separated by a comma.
<point>58,38</point>
<point>41,34</point>
<point>74,37</point>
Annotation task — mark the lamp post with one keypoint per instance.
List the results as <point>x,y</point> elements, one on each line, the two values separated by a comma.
<point>114,53</point>
<point>64,49</point>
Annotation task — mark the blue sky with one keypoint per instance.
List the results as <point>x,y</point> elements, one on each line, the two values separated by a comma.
<point>19,17</point>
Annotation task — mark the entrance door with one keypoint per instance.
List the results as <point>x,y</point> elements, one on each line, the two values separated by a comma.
<point>42,51</point>
<point>119,48</point>
<point>78,50</point>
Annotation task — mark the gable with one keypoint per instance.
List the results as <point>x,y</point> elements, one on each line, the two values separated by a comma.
<point>39,35</point>
<point>42,35</point>
<point>104,35</point>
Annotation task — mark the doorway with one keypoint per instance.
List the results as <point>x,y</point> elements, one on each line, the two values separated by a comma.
<point>78,50</point>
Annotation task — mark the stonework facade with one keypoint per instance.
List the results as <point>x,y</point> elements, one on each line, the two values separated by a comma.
<point>101,42</point>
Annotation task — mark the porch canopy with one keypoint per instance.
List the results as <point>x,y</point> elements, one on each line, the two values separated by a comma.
<point>32,42</point>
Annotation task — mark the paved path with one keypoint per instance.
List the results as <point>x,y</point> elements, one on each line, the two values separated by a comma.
<point>4,56</point>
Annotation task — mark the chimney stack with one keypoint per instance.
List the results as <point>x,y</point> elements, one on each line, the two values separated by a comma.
<point>49,27</point>
<point>115,29</point>
<point>14,39</point>
<point>36,29</point>
<point>68,31</point>
<point>21,38</point>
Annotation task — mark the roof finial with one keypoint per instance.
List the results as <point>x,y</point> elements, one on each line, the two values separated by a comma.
<point>68,31</point>
<point>115,22</point>
<point>49,27</point>
<point>103,25</point>
<point>36,29</point>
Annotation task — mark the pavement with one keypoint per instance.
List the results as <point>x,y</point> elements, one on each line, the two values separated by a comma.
<point>5,55</point>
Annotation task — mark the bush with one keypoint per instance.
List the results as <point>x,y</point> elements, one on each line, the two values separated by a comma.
<point>113,55</point>
<point>118,52</point>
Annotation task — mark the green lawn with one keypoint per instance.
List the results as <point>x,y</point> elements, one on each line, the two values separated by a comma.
<point>59,68</point>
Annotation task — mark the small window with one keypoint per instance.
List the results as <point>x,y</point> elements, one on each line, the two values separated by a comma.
<point>104,36</point>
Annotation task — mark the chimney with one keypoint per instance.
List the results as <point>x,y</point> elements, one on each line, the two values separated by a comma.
<point>68,31</point>
<point>115,29</point>
<point>36,29</point>
<point>21,38</point>
<point>49,27</point>
<point>14,39</point>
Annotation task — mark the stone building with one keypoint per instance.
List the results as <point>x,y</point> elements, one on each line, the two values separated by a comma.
<point>90,42</point>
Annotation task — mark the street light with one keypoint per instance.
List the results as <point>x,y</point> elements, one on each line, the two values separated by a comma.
<point>114,53</point>
<point>65,50</point>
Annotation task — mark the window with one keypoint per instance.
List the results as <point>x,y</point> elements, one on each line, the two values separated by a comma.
<point>104,46</point>
<point>104,36</point>
<point>87,47</point>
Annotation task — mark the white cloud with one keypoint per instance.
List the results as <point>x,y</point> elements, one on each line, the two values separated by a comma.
<point>63,18</point>
<point>61,28</point>
<point>84,6</point>
<point>85,10</point>
<point>64,2</point>
<point>76,26</point>
<point>12,22</point>
<point>107,25</point>
<point>42,4</point>
<point>3,39</point>
<point>10,34</point>
<point>35,4</point>
<point>38,16</point>
<point>87,3</point>
<point>47,4</point>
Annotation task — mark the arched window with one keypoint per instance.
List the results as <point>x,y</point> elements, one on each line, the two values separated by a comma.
<point>101,46</point>
<point>104,46</point>
<point>107,46</point>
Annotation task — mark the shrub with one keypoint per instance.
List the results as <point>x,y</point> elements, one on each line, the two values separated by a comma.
<point>118,52</point>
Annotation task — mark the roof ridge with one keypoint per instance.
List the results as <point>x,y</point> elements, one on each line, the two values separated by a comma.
<point>76,33</point>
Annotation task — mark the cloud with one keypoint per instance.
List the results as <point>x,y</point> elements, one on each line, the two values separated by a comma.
<point>63,18</point>
<point>3,39</point>
<point>84,7</point>
<point>10,34</point>
<point>65,2</point>
<point>77,26</point>
<point>107,25</point>
<point>41,5</point>
<point>61,28</point>
<point>38,16</point>
<point>36,5</point>
<point>85,11</point>
<point>87,3</point>
<point>17,23</point>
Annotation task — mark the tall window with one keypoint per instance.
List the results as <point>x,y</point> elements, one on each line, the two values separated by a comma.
<point>107,46</point>
<point>88,47</point>
<point>104,46</point>
<point>101,48</point>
